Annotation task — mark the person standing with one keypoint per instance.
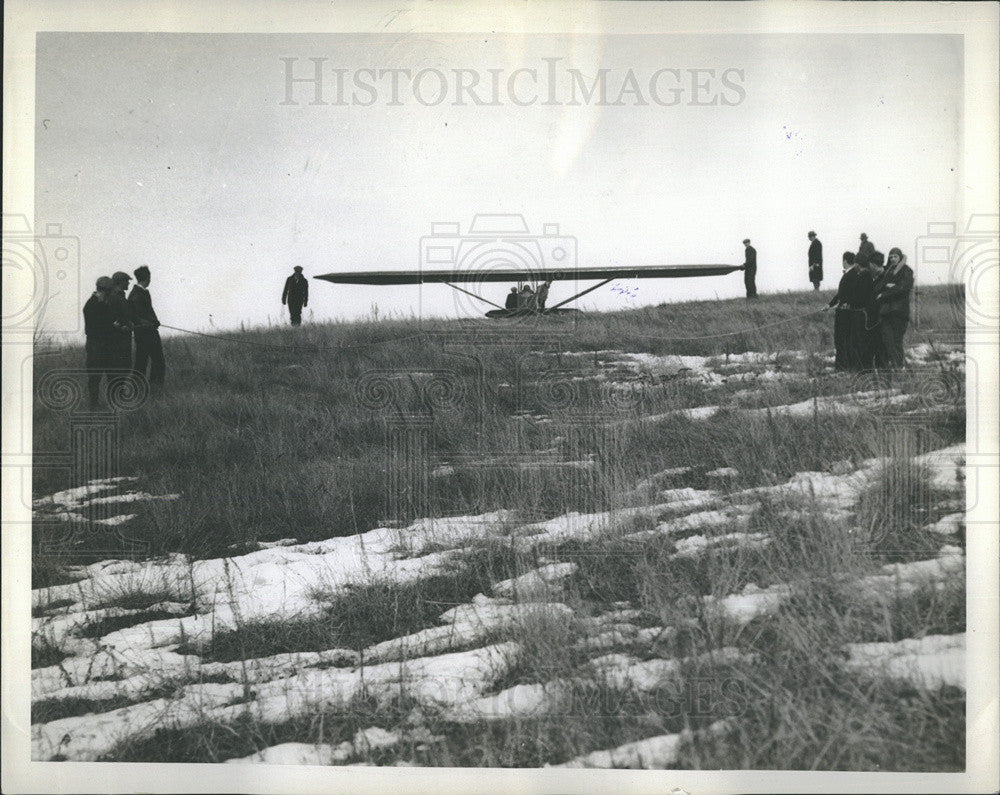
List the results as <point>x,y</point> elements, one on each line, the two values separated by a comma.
<point>99,327</point>
<point>296,295</point>
<point>123,317</point>
<point>511,302</point>
<point>750,269</point>
<point>866,249</point>
<point>892,296</point>
<point>853,302</point>
<point>148,347</point>
<point>525,298</point>
<point>816,260</point>
<point>541,295</point>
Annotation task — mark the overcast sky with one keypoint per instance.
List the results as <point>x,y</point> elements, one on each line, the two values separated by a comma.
<point>180,152</point>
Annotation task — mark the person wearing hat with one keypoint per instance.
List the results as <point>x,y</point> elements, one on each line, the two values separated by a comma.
<point>750,269</point>
<point>148,348</point>
<point>99,326</point>
<point>815,260</point>
<point>123,318</point>
<point>866,249</point>
<point>296,295</point>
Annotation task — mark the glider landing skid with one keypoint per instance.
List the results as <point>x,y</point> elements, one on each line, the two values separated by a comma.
<point>501,314</point>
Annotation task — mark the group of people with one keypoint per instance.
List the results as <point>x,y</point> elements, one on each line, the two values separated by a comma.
<point>872,302</point>
<point>111,321</point>
<point>872,309</point>
<point>527,299</point>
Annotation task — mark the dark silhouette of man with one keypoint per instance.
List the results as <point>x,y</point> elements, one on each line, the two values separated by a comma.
<point>511,302</point>
<point>815,260</point>
<point>854,302</point>
<point>145,324</point>
<point>750,269</point>
<point>99,325</point>
<point>123,316</point>
<point>892,295</point>
<point>866,249</point>
<point>296,295</point>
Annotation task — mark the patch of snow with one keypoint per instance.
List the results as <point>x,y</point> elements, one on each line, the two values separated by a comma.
<point>653,753</point>
<point>373,739</point>
<point>299,754</point>
<point>86,738</point>
<point>752,602</point>
<point>723,472</point>
<point>931,661</point>
<point>134,496</point>
<point>281,542</point>
<point>540,582</point>
<point>75,497</point>
<point>693,546</point>
<point>519,701</point>
<point>945,466</point>
<point>610,638</point>
<point>947,569</point>
<point>948,525</point>
<point>623,672</point>
<point>729,517</point>
<point>114,521</point>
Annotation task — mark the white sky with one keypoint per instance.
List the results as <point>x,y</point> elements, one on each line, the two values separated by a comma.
<point>174,150</point>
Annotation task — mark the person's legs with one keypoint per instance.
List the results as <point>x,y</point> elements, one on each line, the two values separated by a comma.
<point>94,372</point>
<point>841,328</point>
<point>873,343</point>
<point>295,313</point>
<point>141,352</point>
<point>894,352</point>
<point>892,342</point>
<point>158,367</point>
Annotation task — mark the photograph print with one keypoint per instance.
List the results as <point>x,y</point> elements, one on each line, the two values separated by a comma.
<point>541,395</point>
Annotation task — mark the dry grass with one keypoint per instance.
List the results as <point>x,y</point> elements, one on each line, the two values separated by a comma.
<point>284,449</point>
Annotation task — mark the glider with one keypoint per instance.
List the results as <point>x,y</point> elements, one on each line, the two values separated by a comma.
<point>499,248</point>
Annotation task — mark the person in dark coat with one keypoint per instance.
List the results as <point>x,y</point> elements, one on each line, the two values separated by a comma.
<point>511,302</point>
<point>867,248</point>
<point>99,324</point>
<point>148,348</point>
<point>750,269</point>
<point>854,304</point>
<point>296,295</point>
<point>892,296</point>
<point>123,316</point>
<point>816,260</point>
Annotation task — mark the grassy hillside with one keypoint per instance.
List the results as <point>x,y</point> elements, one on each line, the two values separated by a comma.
<point>680,539</point>
<point>278,432</point>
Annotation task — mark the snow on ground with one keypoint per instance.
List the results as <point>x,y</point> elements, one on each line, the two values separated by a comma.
<point>653,753</point>
<point>456,665</point>
<point>930,661</point>
<point>300,754</point>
